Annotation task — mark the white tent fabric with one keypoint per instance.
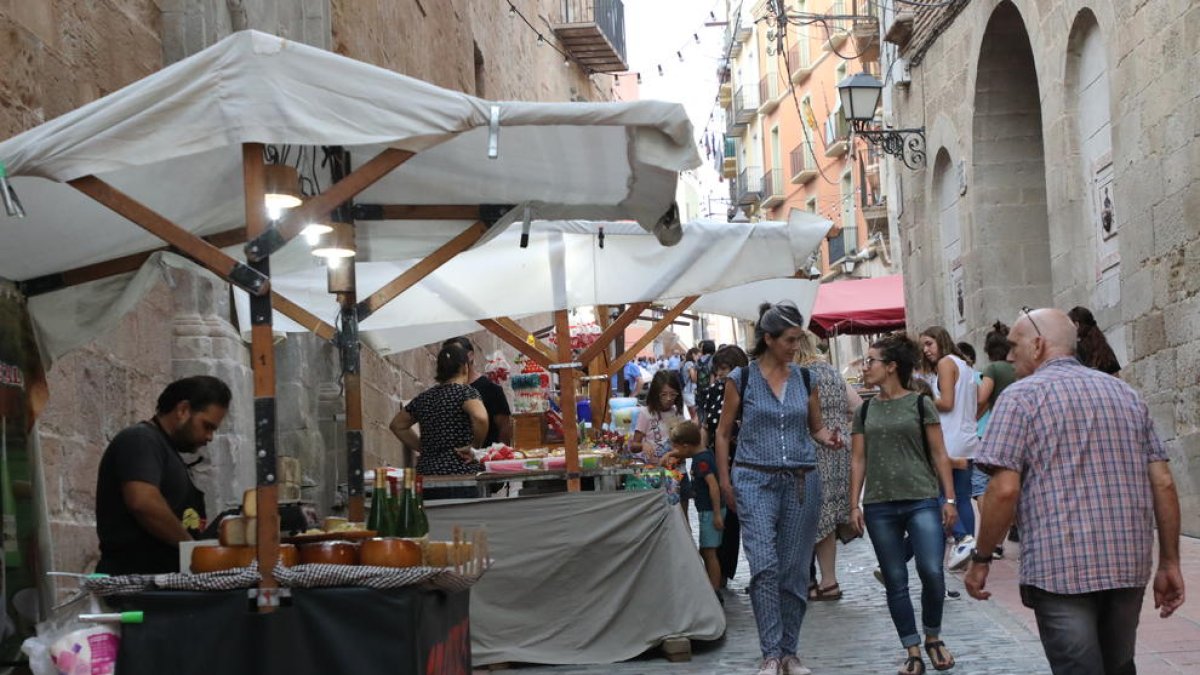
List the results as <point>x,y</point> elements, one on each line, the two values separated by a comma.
<point>172,141</point>
<point>563,267</point>
<point>742,301</point>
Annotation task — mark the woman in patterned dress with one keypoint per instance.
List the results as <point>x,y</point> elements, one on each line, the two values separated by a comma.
<point>453,420</point>
<point>838,403</point>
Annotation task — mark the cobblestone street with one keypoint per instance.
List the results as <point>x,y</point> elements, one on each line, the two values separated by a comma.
<point>854,636</point>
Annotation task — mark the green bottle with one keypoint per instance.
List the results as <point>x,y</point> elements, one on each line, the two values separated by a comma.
<point>388,526</point>
<point>421,528</point>
<point>408,506</point>
<point>379,500</point>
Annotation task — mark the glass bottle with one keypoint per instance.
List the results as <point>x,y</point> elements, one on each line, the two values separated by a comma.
<point>379,500</point>
<point>421,524</point>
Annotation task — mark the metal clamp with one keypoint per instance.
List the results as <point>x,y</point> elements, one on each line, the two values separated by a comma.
<point>565,366</point>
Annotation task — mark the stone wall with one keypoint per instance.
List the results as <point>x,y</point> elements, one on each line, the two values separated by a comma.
<point>1147,303</point>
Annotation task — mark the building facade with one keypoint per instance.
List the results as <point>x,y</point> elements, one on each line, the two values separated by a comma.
<point>1063,140</point>
<point>61,55</point>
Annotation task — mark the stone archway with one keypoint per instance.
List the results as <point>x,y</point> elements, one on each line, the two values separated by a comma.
<point>945,204</point>
<point>1011,239</point>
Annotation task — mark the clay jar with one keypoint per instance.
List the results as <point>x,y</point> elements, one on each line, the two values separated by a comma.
<point>329,553</point>
<point>391,552</point>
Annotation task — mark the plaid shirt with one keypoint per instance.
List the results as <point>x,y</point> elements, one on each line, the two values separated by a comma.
<point>1081,441</point>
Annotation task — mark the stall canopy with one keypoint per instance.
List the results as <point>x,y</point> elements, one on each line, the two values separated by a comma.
<point>742,301</point>
<point>172,142</point>
<point>564,266</point>
<point>859,307</point>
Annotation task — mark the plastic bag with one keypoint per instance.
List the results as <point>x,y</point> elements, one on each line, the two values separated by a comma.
<point>68,646</point>
<point>498,368</point>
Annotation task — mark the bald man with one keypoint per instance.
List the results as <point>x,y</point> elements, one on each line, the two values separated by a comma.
<point>1073,451</point>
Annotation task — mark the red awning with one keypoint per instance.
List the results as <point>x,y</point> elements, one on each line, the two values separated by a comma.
<point>859,307</point>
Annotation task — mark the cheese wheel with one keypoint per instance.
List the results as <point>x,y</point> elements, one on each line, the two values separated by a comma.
<point>437,553</point>
<point>250,503</point>
<point>233,531</point>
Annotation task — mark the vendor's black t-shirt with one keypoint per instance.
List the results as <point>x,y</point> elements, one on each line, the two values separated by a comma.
<point>495,402</point>
<point>139,453</point>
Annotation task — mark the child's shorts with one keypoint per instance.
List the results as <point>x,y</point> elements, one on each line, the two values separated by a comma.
<point>710,537</point>
<point>979,481</point>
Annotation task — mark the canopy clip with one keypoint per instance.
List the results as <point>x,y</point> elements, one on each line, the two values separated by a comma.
<point>525,225</point>
<point>12,204</point>
<point>600,237</point>
<point>494,133</point>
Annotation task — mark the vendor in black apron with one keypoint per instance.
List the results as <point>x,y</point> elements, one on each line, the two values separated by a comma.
<point>145,500</point>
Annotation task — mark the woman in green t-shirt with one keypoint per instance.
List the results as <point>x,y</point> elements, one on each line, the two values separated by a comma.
<point>898,453</point>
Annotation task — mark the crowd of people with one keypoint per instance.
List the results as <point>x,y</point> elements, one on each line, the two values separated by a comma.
<point>787,459</point>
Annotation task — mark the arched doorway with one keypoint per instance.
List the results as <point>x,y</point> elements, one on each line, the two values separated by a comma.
<point>1011,242</point>
<point>946,204</point>
<point>1095,261</point>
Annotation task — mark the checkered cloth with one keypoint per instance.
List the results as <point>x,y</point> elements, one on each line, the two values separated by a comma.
<point>1082,442</point>
<point>323,576</point>
<point>129,584</point>
<point>300,576</point>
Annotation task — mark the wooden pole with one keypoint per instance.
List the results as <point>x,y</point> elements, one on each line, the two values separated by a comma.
<point>267,242</point>
<point>516,341</point>
<point>343,283</point>
<point>599,390</point>
<point>566,398</point>
<point>611,331</point>
<point>262,360</point>
<point>214,259</point>
<point>410,277</point>
<point>654,332</point>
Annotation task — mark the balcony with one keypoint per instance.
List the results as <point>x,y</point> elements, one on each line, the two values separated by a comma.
<point>772,188</point>
<point>837,134</point>
<point>836,31</point>
<point>723,70</point>
<point>800,60</point>
<point>768,93</point>
<point>900,31</point>
<point>732,45</point>
<point>749,186</point>
<point>866,30</point>
<point>729,158</point>
<point>593,32</point>
<point>842,244</point>
<point>725,95</point>
<point>804,167</point>
<point>745,107</point>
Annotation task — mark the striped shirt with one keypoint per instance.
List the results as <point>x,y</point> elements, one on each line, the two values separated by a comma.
<point>1082,442</point>
<point>774,432</point>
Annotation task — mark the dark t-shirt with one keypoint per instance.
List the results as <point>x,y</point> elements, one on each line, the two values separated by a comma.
<point>139,453</point>
<point>703,464</point>
<point>496,403</point>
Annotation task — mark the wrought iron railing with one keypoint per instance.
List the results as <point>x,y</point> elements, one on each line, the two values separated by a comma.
<point>749,185</point>
<point>772,183</point>
<point>608,15</point>
<point>801,161</point>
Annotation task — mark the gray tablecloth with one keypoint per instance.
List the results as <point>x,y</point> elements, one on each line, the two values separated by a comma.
<point>583,577</point>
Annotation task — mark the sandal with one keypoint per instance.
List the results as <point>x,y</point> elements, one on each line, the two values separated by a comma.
<point>819,594</point>
<point>935,650</point>
<point>913,665</point>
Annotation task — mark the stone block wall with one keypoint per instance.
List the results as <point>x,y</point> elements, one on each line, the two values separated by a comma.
<point>1149,54</point>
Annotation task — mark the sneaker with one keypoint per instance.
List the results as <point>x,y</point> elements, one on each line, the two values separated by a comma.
<point>998,554</point>
<point>960,555</point>
<point>791,666</point>
<point>953,595</point>
<point>769,667</point>
<point>878,575</point>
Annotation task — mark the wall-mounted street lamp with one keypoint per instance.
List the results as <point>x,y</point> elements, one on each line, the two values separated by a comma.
<point>860,97</point>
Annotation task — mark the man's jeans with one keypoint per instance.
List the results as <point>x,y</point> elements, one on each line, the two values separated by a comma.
<point>1089,633</point>
<point>921,519</point>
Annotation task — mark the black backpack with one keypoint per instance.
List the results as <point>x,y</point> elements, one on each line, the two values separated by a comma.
<point>862,412</point>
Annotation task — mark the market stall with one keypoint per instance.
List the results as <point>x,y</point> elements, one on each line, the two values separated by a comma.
<point>190,157</point>
<point>859,307</point>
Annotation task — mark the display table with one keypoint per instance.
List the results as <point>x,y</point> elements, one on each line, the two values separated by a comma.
<point>606,479</point>
<point>320,631</point>
<point>582,577</point>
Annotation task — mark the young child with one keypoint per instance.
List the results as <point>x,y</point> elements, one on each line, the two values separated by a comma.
<point>685,443</point>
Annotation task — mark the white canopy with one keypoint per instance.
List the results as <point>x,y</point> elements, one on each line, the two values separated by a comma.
<point>564,267</point>
<point>172,141</point>
<point>742,301</point>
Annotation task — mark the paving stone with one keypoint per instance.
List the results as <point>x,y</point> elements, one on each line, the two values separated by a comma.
<point>852,636</point>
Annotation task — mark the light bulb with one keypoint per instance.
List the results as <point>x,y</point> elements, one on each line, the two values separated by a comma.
<point>334,263</point>
<point>566,63</point>
<point>274,211</point>
<point>313,231</point>
<point>541,40</point>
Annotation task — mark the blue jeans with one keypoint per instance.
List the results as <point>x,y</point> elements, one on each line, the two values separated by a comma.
<point>921,519</point>
<point>965,525</point>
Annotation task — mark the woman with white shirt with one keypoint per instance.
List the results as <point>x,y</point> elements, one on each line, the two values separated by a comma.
<point>956,400</point>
